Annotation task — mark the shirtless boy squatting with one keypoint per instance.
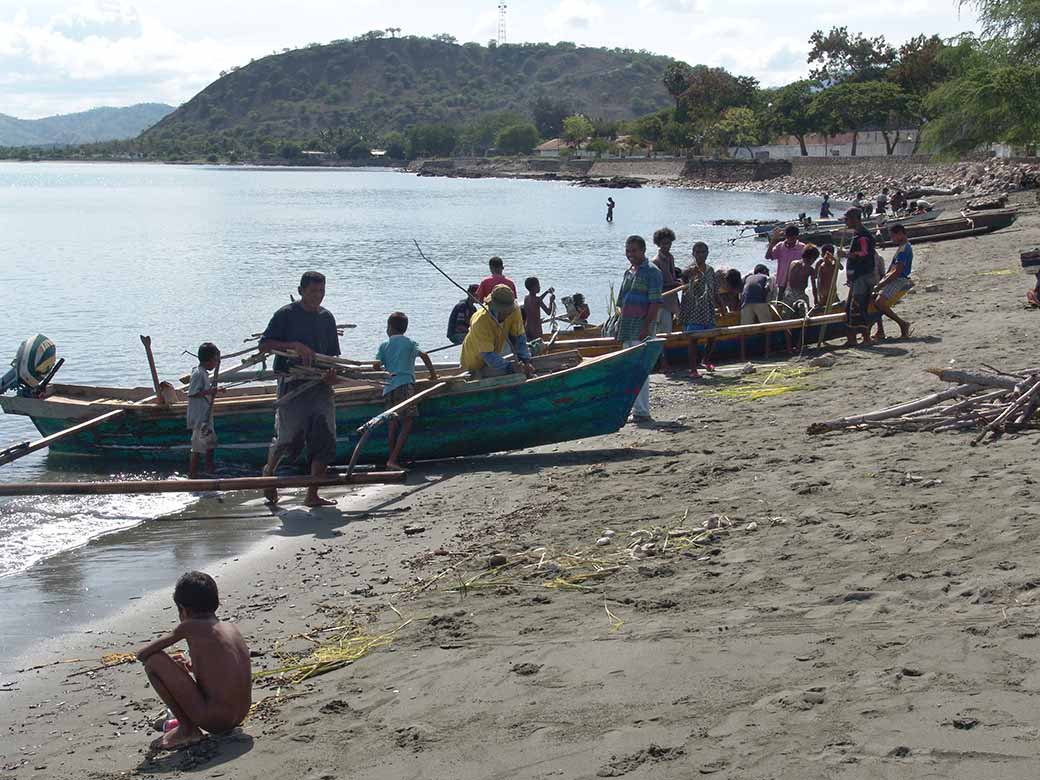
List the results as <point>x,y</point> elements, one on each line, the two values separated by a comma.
<point>212,691</point>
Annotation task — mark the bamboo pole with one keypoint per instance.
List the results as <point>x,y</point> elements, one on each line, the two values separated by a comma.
<point>366,428</point>
<point>119,487</point>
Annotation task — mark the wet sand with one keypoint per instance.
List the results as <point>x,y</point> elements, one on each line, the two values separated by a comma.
<point>878,621</point>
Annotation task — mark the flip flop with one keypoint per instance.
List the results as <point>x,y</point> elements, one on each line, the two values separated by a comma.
<point>158,746</point>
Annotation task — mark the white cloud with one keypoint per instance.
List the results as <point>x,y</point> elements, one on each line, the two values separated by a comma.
<point>58,56</point>
<point>102,53</point>
<point>671,6</point>
<point>572,15</point>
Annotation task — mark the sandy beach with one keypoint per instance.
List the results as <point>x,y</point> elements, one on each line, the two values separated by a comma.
<point>863,605</point>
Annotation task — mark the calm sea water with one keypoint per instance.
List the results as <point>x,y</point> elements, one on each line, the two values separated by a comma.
<point>95,255</point>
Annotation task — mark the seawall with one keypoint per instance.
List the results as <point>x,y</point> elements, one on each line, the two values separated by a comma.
<point>644,169</point>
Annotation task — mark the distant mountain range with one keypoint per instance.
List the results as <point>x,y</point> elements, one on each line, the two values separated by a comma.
<point>97,124</point>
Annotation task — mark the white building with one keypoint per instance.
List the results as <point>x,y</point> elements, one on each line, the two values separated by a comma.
<point>869,143</point>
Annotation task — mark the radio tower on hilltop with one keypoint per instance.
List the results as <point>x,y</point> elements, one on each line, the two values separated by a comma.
<point>501,23</point>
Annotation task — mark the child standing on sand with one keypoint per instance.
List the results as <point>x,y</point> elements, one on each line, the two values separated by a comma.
<point>397,357</point>
<point>200,402</point>
<point>213,690</point>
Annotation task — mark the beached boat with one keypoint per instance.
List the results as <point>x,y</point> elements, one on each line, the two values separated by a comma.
<point>826,225</point>
<point>964,226</point>
<point>733,341</point>
<point>574,397</point>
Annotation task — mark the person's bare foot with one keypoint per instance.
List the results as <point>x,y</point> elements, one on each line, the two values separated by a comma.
<point>180,737</point>
<point>316,501</point>
<point>393,465</point>
<point>905,332</point>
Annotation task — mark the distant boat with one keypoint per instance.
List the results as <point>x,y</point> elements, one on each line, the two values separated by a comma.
<point>970,224</point>
<point>573,397</point>
<point>816,227</point>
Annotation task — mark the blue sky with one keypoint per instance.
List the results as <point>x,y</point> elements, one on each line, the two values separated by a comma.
<point>63,56</point>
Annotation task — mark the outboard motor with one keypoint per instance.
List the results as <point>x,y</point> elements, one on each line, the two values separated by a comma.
<point>32,366</point>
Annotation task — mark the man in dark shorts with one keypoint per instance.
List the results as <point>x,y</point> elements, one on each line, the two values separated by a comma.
<point>862,262</point>
<point>308,418</point>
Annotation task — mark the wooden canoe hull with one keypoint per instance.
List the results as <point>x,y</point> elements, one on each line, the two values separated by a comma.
<point>975,223</point>
<point>590,399</point>
<point>758,340</point>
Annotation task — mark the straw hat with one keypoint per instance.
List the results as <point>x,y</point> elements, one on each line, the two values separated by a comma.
<point>501,301</point>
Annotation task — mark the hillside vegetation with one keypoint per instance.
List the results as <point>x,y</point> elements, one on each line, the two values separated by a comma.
<point>97,124</point>
<point>373,87</point>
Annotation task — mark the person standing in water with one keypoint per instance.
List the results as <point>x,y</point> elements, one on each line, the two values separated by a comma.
<point>610,209</point>
<point>825,207</point>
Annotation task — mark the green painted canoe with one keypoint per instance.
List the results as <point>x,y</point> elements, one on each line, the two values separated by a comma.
<point>591,398</point>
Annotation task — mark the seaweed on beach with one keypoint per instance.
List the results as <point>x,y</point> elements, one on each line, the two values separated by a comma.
<point>340,649</point>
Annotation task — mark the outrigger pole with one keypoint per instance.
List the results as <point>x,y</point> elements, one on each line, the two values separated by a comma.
<point>192,485</point>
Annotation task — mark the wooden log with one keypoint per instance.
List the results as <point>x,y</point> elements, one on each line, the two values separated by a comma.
<point>998,424</point>
<point>892,411</point>
<point>191,485</point>
<point>967,403</point>
<point>974,378</point>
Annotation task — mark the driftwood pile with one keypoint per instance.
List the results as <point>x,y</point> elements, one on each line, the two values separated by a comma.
<point>991,403</point>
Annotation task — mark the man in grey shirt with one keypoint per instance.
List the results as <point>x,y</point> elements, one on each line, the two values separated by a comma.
<point>308,418</point>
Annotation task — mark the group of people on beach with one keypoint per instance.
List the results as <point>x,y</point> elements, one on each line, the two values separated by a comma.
<point>883,205</point>
<point>212,691</point>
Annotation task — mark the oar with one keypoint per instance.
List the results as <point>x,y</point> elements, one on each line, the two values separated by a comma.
<point>366,429</point>
<point>25,448</point>
<point>147,341</point>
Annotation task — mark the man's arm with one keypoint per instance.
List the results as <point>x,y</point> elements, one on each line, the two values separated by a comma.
<point>160,644</point>
<point>305,353</point>
<point>541,299</point>
<point>893,272</point>
<point>523,352</point>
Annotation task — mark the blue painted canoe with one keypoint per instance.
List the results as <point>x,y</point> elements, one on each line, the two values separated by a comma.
<point>591,398</point>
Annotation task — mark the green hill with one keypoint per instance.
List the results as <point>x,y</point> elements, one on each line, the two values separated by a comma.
<point>373,86</point>
<point>97,124</point>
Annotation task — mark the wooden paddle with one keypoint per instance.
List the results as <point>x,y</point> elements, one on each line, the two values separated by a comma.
<point>366,429</point>
<point>147,341</point>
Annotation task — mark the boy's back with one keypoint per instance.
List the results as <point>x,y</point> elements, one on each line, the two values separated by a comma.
<point>397,355</point>
<point>198,405</point>
<point>533,317</point>
<point>222,669</point>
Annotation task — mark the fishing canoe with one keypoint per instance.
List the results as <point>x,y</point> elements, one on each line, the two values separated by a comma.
<point>733,342</point>
<point>584,397</point>
<point>829,225</point>
<point>964,226</point>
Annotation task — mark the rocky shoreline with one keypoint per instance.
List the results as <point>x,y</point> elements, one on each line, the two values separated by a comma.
<point>843,178</point>
<point>844,182</point>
